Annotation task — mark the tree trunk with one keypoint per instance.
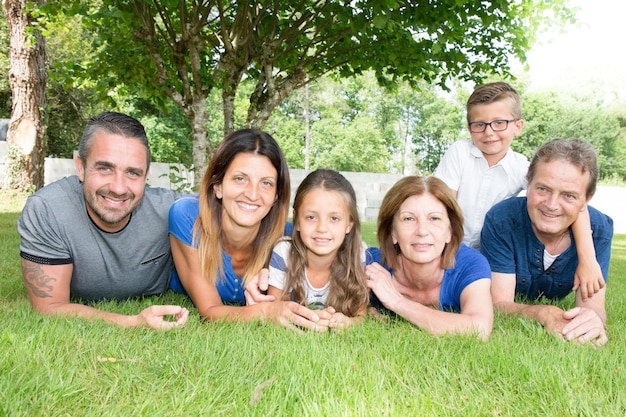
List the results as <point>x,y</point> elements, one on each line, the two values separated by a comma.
<point>27,79</point>
<point>201,147</point>
<point>268,94</point>
<point>307,130</point>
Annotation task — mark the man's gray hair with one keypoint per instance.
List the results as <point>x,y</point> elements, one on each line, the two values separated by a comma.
<point>577,152</point>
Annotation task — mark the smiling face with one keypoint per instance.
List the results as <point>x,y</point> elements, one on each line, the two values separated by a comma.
<point>248,191</point>
<point>494,145</point>
<point>323,220</point>
<point>555,197</point>
<point>421,228</point>
<point>114,177</point>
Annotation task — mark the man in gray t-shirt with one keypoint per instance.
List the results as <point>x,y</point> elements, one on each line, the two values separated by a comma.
<point>101,234</point>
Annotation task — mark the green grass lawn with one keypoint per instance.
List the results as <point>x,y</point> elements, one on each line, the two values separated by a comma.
<point>69,367</point>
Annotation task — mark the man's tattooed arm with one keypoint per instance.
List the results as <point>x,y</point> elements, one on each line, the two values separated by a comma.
<point>36,280</point>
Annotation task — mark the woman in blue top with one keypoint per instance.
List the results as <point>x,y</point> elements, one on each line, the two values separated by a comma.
<point>429,277</point>
<point>223,238</point>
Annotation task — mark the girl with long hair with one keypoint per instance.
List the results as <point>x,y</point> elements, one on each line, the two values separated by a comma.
<point>321,265</point>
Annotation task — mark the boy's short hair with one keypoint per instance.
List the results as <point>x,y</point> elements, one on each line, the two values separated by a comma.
<point>492,92</point>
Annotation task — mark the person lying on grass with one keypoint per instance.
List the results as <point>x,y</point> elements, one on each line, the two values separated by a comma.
<point>101,234</point>
<point>222,238</point>
<point>423,272</point>
<point>321,265</point>
<point>531,249</point>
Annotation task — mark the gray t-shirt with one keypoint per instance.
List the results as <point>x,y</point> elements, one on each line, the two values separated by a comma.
<point>55,229</point>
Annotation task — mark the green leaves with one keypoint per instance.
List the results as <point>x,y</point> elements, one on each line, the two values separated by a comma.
<point>184,50</point>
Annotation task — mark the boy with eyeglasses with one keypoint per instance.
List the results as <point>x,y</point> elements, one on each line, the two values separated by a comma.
<point>485,170</point>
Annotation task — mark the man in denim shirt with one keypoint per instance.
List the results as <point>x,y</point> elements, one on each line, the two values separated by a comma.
<point>530,248</point>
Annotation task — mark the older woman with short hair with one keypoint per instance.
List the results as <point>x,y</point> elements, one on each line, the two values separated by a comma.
<point>423,272</point>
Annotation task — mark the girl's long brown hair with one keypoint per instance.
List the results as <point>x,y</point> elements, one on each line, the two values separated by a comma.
<point>348,293</point>
<point>208,230</point>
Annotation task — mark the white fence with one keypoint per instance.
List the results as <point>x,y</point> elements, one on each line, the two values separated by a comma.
<point>370,188</point>
<point>56,168</point>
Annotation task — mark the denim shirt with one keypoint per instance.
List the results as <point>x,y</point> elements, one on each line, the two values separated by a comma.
<point>511,247</point>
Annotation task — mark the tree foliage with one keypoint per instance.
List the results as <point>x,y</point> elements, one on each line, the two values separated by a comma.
<point>555,114</point>
<point>374,104</point>
<point>357,125</point>
<point>183,50</point>
<point>70,102</point>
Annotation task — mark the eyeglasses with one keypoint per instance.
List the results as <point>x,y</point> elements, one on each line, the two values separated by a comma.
<point>496,125</point>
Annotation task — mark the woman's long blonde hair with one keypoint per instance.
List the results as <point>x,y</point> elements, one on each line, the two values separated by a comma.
<point>348,292</point>
<point>208,227</point>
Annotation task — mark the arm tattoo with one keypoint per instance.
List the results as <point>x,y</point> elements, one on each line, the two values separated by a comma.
<point>39,283</point>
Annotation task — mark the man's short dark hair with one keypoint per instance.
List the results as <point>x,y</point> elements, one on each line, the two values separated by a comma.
<point>115,123</point>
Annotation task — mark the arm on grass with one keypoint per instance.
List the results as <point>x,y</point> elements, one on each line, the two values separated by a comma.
<point>582,324</point>
<point>588,277</point>
<point>476,314</point>
<point>503,295</point>
<point>335,320</point>
<point>48,289</point>
<point>587,321</point>
<point>209,303</point>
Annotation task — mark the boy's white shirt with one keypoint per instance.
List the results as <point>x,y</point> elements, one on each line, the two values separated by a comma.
<point>479,187</point>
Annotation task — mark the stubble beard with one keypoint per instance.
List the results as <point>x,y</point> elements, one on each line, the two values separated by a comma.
<point>108,215</point>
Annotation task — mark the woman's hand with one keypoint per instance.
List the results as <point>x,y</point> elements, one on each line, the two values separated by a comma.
<point>256,290</point>
<point>379,280</point>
